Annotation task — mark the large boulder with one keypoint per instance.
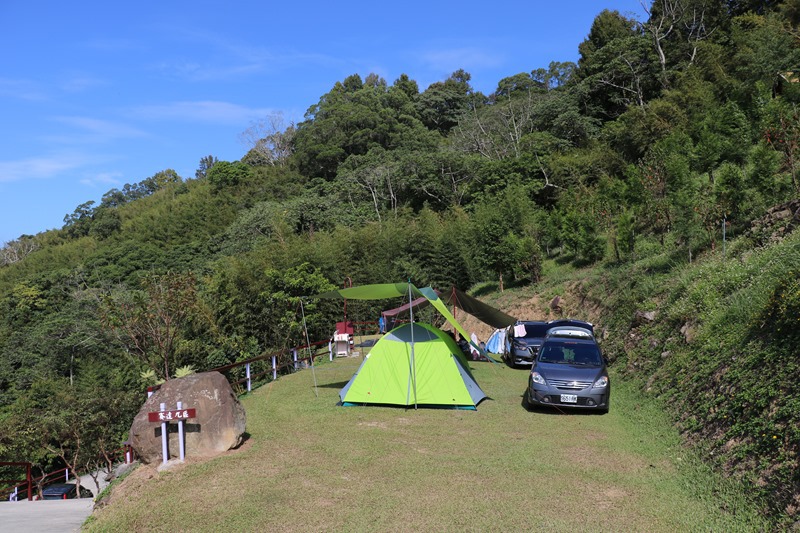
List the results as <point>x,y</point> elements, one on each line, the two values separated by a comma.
<point>218,426</point>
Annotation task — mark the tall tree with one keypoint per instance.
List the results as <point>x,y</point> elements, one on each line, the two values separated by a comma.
<point>149,322</point>
<point>354,118</point>
<point>442,103</point>
<point>783,134</point>
<point>205,165</point>
<point>14,251</point>
<point>270,140</point>
<point>617,66</point>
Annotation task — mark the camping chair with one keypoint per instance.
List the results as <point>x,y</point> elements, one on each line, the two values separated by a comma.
<point>342,344</point>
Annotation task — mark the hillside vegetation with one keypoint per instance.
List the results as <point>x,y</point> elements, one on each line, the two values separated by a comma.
<point>640,184</point>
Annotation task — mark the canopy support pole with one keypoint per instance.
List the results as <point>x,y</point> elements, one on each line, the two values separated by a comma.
<point>308,345</point>
<point>413,374</point>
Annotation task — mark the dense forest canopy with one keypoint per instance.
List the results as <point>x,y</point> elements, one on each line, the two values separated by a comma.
<point>663,132</point>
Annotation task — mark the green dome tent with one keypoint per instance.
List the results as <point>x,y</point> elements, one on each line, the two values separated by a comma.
<point>414,364</point>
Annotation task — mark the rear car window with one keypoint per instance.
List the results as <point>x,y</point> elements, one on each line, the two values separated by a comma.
<point>536,330</point>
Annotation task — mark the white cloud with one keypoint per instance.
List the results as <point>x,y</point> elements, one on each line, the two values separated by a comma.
<point>102,178</point>
<point>40,167</point>
<point>203,111</point>
<point>113,45</point>
<point>467,58</point>
<point>101,129</point>
<point>200,72</point>
<point>21,89</point>
<point>225,59</point>
<point>79,84</point>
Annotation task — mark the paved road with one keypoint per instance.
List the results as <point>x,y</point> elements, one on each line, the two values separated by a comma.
<point>49,516</point>
<point>46,516</point>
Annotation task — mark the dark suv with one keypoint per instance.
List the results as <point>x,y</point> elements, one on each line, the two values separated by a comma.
<point>523,348</point>
<point>527,336</point>
<point>569,371</point>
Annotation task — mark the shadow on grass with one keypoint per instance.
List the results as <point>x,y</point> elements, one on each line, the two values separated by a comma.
<point>564,259</point>
<point>367,343</point>
<point>557,410</point>
<point>336,385</point>
<point>245,438</point>
<point>490,287</point>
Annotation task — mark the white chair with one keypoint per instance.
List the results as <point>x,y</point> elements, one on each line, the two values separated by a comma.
<point>341,342</point>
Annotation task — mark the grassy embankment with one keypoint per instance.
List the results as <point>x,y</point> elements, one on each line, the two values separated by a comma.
<point>713,341</point>
<point>310,465</point>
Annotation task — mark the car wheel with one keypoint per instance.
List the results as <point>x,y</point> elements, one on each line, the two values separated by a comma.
<point>526,404</point>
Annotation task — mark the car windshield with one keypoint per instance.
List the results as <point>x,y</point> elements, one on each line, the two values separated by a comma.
<point>570,353</point>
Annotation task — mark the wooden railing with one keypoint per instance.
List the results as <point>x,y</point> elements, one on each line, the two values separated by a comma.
<point>17,489</point>
<point>13,492</point>
<point>292,364</point>
<point>280,361</point>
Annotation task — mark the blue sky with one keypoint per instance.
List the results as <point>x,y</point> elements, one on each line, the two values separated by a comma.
<point>94,95</point>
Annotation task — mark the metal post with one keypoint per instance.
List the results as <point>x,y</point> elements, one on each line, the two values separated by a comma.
<point>164,439</point>
<point>724,220</point>
<point>294,357</point>
<point>66,474</point>
<point>182,444</point>
<point>330,350</point>
<point>274,369</point>
<point>249,385</point>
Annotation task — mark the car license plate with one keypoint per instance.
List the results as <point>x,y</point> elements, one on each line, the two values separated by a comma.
<point>569,398</point>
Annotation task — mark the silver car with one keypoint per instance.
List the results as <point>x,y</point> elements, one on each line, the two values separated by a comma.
<point>569,371</point>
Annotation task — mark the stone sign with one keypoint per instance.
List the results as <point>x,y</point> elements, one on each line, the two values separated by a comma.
<point>218,426</point>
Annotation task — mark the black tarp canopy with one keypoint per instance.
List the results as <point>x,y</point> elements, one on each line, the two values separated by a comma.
<point>469,304</point>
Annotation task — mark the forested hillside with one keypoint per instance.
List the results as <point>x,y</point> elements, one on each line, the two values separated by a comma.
<point>636,168</point>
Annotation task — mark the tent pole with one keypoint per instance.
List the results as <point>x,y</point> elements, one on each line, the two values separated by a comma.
<point>413,375</point>
<point>453,300</point>
<point>308,343</point>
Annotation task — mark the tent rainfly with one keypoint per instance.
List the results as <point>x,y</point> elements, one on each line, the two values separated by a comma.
<point>429,371</point>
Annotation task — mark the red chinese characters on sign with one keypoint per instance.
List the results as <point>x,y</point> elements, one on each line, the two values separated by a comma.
<point>175,414</point>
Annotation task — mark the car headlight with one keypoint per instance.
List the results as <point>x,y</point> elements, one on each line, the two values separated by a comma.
<point>601,383</point>
<point>537,378</point>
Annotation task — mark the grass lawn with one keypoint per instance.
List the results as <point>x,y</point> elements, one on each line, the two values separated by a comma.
<point>310,465</point>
